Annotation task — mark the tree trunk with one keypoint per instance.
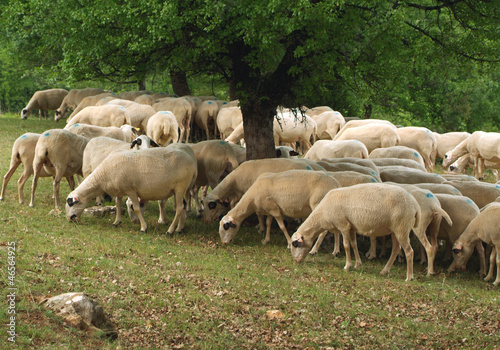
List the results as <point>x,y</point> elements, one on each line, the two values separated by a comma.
<point>142,84</point>
<point>179,82</point>
<point>258,125</point>
<point>368,111</point>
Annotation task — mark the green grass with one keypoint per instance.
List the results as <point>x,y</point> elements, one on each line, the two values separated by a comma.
<point>189,291</point>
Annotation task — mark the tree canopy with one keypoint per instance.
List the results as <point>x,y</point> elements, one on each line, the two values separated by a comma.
<point>432,63</point>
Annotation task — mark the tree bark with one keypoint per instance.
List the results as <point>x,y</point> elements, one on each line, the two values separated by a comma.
<point>368,110</point>
<point>258,125</point>
<point>179,82</point>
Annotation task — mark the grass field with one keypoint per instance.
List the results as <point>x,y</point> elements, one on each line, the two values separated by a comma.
<point>188,291</point>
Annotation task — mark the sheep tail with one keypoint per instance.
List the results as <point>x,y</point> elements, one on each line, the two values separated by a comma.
<point>417,219</point>
<point>444,215</point>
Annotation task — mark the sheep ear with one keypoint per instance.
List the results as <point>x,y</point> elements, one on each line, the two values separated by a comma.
<point>72,201</point>
<point>212,205</point>
<point>153,144</point>
<point>298,243</point>
<point>226,226</point>
<point>135,130</point>
<point>458,248</point>
<point>133,143</point>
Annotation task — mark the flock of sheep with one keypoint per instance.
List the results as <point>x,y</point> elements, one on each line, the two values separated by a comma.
<point>365,177</point>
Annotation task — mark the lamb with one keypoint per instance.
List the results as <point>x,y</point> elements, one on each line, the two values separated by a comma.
<point>227,120</point>
<point>422,140</point>
<point>446,142</point>
<point>206,117</point>
<point>329,123</point>
<point>73,98</point>
<point>480,192</point>
<point>277,195</point>
<point>89,101</point>
<point>124,133</point>
<point>23,152</point>
<point>151,174</point>
<point>234,185</point>
<point>367,209</point>
<point>138,113</point>
<point>60,153</point>
<point>398,161</point>
<point>44,100</point>
<point>402,175</point>
<point>402,152</point>
<point>162,127</point>
<point>337,149</point>
<point>483,228</point>
<point>182,110</point>
<point>107,115</point>
<point>375,135</point>
<point>354,123</point>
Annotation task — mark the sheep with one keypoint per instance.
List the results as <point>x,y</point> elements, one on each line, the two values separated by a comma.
<point>206,117</point>
<point>132,95</point>
<point>337,149</point>
<point>480,192</point>
<point>402,152</point>
<point>454,154</point>
<point>361,122</point>
<point>124,133</point>
<point>373,136</point>
<point>285,152</point>
<point>359,161</point>
<point>367,209</point>
<point>459,177</point>
<point>439,188</point>
<point>485,227</point>
<point>398,161</point>
<point>312,112</point>
<point>23,152</point>
<point>138,113</point>
<point>151,174</point>
<point>44,100</point>
<point>236,135</point>
<point>277,195</point>
<point>227,120</point>
<point>240,152</point>
<point>145,99</point>
<point>182,110</point>
<point>89,101</point>
<point>288,127</point>
<point>60,153</point>
<point>107,115</point>
<point>348,166</point>
<point>403,175</point>
<point>234,185</point>
<point>73,98</point>
<point>446,142</point>
<point>162,127</point>
<point>466,161</point>
<point>422,140</point>
<point>329,123</point>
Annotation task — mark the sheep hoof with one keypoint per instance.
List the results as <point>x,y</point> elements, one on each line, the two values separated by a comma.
<point>180,231</point>
<point>384,273</point>
<point>143,231</point>
<point>313,252</point>
<point>488,278</point>
<point>116,224</point>
<point>496,283</point>
<point>264,242</point>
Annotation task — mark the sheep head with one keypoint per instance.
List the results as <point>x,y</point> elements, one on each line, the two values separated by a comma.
<point>74,207</point>
<point>24,114</point>
<point>131,210</point>
<point>228,228</point>
<point>461,255</point>
<point>300,247</point>
<point>214,208</point>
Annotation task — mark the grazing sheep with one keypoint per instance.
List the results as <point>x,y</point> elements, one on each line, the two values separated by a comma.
<point>459,177</point>
<point>234,185</point>
<point>481,193</point>
<point>73,98</point>
<point>289,127</point>
<point>206,117</point>
<point>138,113</point>
<point>455,153</point>
<point>132,95</point>
<point>446,142</point>
<point>398,161</point>
<point>23,152</point>
<point>237,135</point>
<point>354,123</point>
<point>485,227</point>
<point>60,153</point>
<point>359,161</point>
<point>483,146</point>
<point>337,149</point>
<point>44,101</point>
<point>329,123</point>
<point>240,152</point>
<point>182,110</point>
<point>277,195</point>
<point>402,152</point>
<point>422,140</point>
<point>466,161</point>
<point>90,101</point>
<point>151,174</point>
<point>348,166</point>
<point>367,209</point>
<point>285,152</point>
<point>162,128</point>
<point>145,99</point>
<point>107,115</point>
<point>439,188</point>
<point>375,135</point>
<point>403,175</point>
<point>227,120</point>
<point>124,133</point>
<point>317,110</point>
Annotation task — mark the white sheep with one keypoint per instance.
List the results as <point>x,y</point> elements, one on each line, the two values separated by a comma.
<point>403,175</point>
<point>483,146</point>
<point>290,127</point>
<point>466,161</point>
<point>337,149</point>
<point>329,123</point>
<point>162,127</point>
<point>446,142</point>
<point>349,166</point>
<point>206,118</point>
<point>317,110</point>
<point>373,135</point>
<point>277,195</point>
<point>23,152</point>
<point>234,185</point>
<point>362,122</point>
<point>398,161</point>
<point>124,133</point>
<point>60,153</point>
<point>138,114</point>
<point>90,101</point>
<point>422,140</point>
<point>182,110</point>
<point>107,115</point>
<point>481,193</point>
<point>485,227</point>
<point>44,101</point>
<point>359,161</point>
<point>227,120</point>
<point>73,98</point>
<point>367,209</point>
<point>402,152</point>
<point>439,188</point>
<point>145,99</point>
<point>150,174</point>
<point>132,95</point>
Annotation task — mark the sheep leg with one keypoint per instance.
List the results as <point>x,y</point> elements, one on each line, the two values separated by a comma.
<point>56,184</point>
<point>282,226</point>
<point>372,252</point>
<point>197,202</point>
<point>118,219</point>
<point>262,225</point>
<point>409,256</point>
<point>354,245</point>
<point>396,248</point>
<point>431,253</point>
<point>493,254</point>
<point>269,221</point>
<point>71,182</point>
<point>347,248</point>
<point>20,183</point>
<point>7,177</point>
<point>163,215</point>
<point>497,281</point>
<point>336,245</point>
<point>137,211</point>
<point>320,239</point>
<point>482,259</point>
<point>179,214</point>
<point>38,169</point>
<point>480,168</point>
